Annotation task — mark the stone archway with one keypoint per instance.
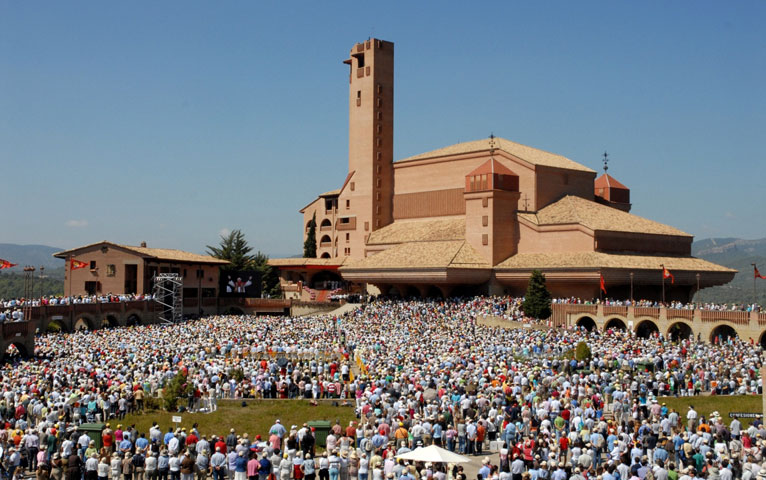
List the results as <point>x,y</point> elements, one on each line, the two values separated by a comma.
<point>110,321</point>
<point>434,292</point>
<point>411,291</point>
<point>722,333</point>
<point>55,326</point>
<point>646,328</point>
<point>762,340</point>
<point>680,331</point>
<point>83,322</point>
<point>587,323</point>
<point>15,351</point>
<point>615,324</point>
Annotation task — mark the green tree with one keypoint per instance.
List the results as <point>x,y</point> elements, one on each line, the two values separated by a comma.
<point>177,387</point>
<point>537,301</point>
<point>234,248</point>
<point>582,351</point>
<point>269,276</point>
<point>310,245</point>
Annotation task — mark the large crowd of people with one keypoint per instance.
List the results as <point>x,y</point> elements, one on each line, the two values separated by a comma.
<point>418,373</point>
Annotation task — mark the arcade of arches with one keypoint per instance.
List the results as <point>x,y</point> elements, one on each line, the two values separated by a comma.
<point>675,329</point>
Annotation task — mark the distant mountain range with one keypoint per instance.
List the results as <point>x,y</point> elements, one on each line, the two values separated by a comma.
<point>734,253</point>
<point>738,254</point>
<point>34,255</point>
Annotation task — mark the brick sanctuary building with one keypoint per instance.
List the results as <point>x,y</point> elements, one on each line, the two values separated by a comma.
<point>478,217</point>
<point>113,268</point>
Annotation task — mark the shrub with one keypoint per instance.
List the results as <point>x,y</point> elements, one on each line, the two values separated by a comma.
<point>177,388</point>
<point>582,351</point>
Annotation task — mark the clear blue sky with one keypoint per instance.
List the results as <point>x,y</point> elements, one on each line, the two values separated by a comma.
<point>170,122</point>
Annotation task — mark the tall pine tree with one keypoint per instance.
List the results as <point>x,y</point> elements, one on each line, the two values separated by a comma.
<point>310,245</point>
<point>537,301</point>
<point>234,248</point>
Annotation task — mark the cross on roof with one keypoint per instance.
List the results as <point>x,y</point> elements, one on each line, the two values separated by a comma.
<point>606,161</point>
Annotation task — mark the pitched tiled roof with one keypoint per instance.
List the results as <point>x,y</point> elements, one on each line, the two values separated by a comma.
<point>414,255</point>
<point>419,231</point>
<point>591,260</point>
<point>577,210</point>
<point>608,181</point>
<point>492,166</point>
<point>302,262</point>
<point>156,253</point>
<point>529,154</point>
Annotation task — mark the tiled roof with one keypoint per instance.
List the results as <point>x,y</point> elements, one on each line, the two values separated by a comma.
<point>529,154</point>
<point>419,231</point>
<point>414,255</point>
<point>302,262</point>
<point>577,210</point>
<point>156,253</point>
<point>526,261</point>
<point>492,166</point>
<point>608,181</point>
<point>331,193</point>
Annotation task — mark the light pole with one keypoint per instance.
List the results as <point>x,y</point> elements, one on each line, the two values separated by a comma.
<point>42,280</point>
<point>698,285</point>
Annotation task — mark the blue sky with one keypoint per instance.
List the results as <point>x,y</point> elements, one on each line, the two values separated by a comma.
<point>171,122</point>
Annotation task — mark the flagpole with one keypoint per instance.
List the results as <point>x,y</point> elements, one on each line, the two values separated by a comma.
<point>69,267</point>
<point>600,290</point>
<point>662,274</point>
<point>755,296</point>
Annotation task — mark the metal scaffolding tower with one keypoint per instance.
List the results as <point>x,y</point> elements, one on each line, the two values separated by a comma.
<point>168,293</point>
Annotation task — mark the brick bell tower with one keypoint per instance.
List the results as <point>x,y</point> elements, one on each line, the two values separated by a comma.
<point>369,190</point>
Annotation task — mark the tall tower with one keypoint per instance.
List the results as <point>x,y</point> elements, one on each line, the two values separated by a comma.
<point>369,197</point>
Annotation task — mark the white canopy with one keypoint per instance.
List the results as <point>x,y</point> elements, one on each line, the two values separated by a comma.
<point>433,454</point>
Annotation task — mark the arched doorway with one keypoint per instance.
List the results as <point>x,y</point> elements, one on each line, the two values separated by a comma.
<point>55,326</point>
<point>326,223</point>
<point>325,255</point>
<point>326,280</point>
<point>83,323</point>
<point>722,333</point>
<point>680,331</point>
<point>412,292</point>
<point>434,292</point>
<point>15,351</point>
<point>615,324</point>
<point>133,319</point>
<point>646,329</point>
<point>587,323</point>
<point>762,341</point>
<point>110,321</point>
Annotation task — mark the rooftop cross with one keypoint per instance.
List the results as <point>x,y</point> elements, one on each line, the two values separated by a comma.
<point>606,162</point>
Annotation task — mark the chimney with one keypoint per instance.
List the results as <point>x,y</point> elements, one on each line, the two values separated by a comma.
<point>143,244</point>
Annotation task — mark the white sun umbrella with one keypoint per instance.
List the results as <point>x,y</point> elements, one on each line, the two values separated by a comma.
<point>433,454</point>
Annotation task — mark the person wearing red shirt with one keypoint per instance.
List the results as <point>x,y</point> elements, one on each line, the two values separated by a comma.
<point>220,444</point>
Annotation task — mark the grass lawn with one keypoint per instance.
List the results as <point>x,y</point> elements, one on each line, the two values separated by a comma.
<point>705,405</point>
<point>255,419</point>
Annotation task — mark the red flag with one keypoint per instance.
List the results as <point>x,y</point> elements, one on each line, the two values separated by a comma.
<point>603,285</point>
<point>667,274</point>
<point>756,273</point>
<point>75,264</point>
<point>6,264</point>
